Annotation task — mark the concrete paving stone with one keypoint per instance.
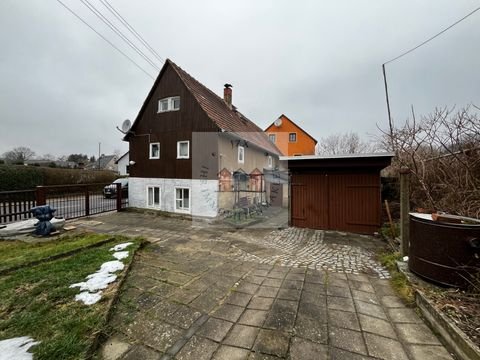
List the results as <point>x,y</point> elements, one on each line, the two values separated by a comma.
<point>172,277</point>
<point>313,311</point>
<point>238,298</point>
<point>295,276</point>
<point>281,305</point>
<point>140,298</point>
<point>343,319</point>
<point>315,288</point>
<point>370,309</point>
<point>215,329</point>
<point>183,296</point>
<point>333,275</point>
<point>377,326</point>
<point>428,352</point>
<point>384,348</point>
<point>141,352</point>
<point>114,347</point>
<point>289,294</point>
<point>277,275</point>
<point>267,291</point>
<point>247,287</point>
<point>302,349</point>
<point>184,317</point>
<point>361,285</point>
<point>260,303</point>
<point>260,356</point>
<point>311,329</point>
<point>358,277</point>
<point>313,298</point>
<point>159,336</point>
<point>242,336</point>
<point>340,303</point>
<point>272,282</point>
<point>337,282</point>
<point>404,315</point>
<point>299,270</point>
<point>292,284</point>
<point>197,348</point>
<point>226,352</point>
<point>255,279</point>
<point>384,290</point>
<point>253,317</point>
<point>163,310</point>
<point>390,301</point>
<point>365,296</point>
<point>260,272</point>
<point>206,302</point>
<point>349,340</point>
<point>280,320</point>
<point>228,312</point>
<point>416,334</point>
<point>339,291</point>
<point>339,354</point>
<point>272,342</point>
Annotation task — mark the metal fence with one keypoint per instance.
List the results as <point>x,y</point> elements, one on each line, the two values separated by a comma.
<point>70,201</point>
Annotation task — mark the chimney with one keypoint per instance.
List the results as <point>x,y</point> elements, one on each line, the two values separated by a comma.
<point>227,95</point>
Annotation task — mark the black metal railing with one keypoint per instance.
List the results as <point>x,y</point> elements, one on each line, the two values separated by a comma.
<point>16,205</point>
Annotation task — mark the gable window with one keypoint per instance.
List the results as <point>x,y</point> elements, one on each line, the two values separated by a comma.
<point>155,150</point>
<point>241,154</point>
<point>153,196</point>
<point>182,199</point>
<point>270,161</point>
<point>169,104</point>
<point>183,149</point>
<point>292,137</point>
<point>272,138</point>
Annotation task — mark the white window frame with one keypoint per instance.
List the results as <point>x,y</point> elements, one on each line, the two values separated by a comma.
<point>188,149</point>
<point>150,153</point>
<point>274,136</point>
<point>169,101</point>
<point>241,150</point>
<point>270,161</point>
<point>153,204</point>
<point>183,209</point>
<point>295,137</point>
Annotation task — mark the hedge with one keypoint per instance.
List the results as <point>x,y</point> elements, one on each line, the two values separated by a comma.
<point>20,177</point>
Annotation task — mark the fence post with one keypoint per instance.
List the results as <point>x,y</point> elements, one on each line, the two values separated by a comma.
<point>41,196</point>
<point>87,201</point>
<point>404,210</point>
<point>119,196</point>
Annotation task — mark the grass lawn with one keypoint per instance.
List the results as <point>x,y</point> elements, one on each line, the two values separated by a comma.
<point>36,301</point>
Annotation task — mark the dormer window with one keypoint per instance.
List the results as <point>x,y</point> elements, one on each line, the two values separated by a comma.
<point>169,104</point>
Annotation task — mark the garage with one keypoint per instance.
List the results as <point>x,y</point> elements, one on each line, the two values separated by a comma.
<point>337,192</point>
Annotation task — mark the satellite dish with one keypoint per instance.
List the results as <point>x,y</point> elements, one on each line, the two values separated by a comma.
<point>278,122</point>
<point>126,125</point>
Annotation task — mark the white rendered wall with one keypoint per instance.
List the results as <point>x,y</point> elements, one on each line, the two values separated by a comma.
<point>203,194</point>
<point>122,165</point>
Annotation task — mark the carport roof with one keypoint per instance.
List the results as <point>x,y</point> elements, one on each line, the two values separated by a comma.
<point>340,156</point>
<point>342,162</point>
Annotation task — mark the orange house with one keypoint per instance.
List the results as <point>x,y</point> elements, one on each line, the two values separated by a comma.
<point>290,138</point>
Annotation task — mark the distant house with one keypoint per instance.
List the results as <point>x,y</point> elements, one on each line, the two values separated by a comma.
<point>123,164</point>
<point>51,163</point>
<point>290,138</point>
<point>193,152</point>
<point>104,162</point>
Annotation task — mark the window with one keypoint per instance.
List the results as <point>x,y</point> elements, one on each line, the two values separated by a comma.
<point>153,196</point>
<point>292,137</point>
<point>241,154</point>
<point>182,199</point>
<point>154,150</point>
<point>270,161</point>
<point>183,149</point>
<point>272,138</point>
<point>169,104</point>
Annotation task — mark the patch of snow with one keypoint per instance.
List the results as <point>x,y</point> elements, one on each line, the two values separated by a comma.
<point>120,247</point>
<point>17,348</point>
<point>111,266</point>
<point>97,281</point>
<point>88,298</point>
<point>120,255</point>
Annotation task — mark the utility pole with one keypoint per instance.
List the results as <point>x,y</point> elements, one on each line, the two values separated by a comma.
<point>99,155</point>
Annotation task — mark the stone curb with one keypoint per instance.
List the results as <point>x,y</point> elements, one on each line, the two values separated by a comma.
<point>455,338</point>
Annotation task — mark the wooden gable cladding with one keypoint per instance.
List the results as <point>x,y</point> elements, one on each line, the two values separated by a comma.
<point>167,128</point>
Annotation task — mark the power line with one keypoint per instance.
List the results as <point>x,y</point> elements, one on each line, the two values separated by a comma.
<point>97,13</point>
<point>104,38</point>
<point>433,37</point>
<point>130,28</point>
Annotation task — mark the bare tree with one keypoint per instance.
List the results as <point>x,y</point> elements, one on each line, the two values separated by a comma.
<point>442,151</point>
<point>347,143</point>
<point>19,154</point>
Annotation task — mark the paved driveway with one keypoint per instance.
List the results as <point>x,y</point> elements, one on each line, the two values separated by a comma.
<point>206,292</point>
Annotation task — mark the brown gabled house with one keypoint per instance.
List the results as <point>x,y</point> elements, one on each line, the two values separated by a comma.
<point>188,145</point>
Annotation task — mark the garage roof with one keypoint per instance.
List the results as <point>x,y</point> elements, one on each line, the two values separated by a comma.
<point>376,161</point>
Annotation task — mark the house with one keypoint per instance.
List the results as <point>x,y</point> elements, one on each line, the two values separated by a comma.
<point>123,164</point>
<point>193,152</point>
<point>290,138</point>
<point>104,162</point>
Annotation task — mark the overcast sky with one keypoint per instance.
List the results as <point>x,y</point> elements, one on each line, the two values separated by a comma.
<point>64,89</point>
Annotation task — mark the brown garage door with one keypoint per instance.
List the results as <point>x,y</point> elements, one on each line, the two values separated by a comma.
<point>347,202</point>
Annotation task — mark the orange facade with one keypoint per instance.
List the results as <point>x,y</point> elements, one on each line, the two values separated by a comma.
<point>290,138</point>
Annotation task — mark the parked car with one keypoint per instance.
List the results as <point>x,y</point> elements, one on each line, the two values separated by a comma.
<point>111,190</point>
